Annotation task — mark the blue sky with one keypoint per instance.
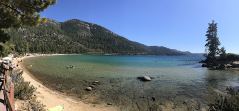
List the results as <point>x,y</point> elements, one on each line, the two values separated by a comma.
<point>177,24</point>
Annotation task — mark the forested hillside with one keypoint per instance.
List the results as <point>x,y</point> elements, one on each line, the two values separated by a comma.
<point>75,36</point>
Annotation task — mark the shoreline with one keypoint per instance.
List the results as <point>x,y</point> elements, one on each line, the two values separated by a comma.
<point>51,98</point>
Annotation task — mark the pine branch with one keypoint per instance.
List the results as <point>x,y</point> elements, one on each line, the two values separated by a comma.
<point>12,8</point>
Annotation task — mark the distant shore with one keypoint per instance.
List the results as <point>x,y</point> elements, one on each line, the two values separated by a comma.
<point>52,98</point>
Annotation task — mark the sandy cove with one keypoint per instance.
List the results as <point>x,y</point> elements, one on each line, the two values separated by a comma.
<point>51,98</point>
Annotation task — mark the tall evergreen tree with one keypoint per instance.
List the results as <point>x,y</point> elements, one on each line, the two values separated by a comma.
<point>16,13</point>
<point>223,53</point>
<point>212,49</point>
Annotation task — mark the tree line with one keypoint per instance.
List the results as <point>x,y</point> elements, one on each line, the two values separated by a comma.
<point>75,36</point>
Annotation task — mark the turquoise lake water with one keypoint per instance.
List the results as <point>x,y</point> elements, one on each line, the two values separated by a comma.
<point>176,78</point>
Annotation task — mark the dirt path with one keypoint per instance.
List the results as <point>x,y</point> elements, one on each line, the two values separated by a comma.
<point>52,98</point>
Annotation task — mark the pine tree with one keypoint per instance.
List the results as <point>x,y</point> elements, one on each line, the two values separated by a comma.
<point>212,44</point>
<point>223,53</point>
<point>16,13</point>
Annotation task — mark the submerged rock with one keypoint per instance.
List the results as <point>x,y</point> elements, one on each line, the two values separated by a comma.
<point>93,86</point>
<point>89,88</point>
<point>96,83</point>
<point>145,78</point>
<point>153,98</point>
<point>70,67</point>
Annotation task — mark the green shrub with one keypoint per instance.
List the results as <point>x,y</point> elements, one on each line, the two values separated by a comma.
<point>22,90</point>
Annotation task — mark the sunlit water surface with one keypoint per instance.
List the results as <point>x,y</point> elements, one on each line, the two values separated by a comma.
<point>176,78</point>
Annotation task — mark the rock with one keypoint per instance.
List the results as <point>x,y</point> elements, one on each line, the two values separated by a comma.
<point>109,103</point>
<point>228,66</point>
<point>6,66</point>
<point>93,86</point>
<point>89,88</point>
<point>145,78</point>
<point>70,67</point>
<point>95,82</point>
<point>184,102</point>
<point>153,98</point>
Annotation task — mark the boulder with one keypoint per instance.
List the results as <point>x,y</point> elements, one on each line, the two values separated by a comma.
<point>89,88</point>
<point>145,78</point>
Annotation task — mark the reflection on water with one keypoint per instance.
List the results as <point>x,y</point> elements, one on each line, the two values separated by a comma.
<point>176,78</point>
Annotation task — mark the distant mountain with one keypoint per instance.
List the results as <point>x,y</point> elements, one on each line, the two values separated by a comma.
<point>75,36</point>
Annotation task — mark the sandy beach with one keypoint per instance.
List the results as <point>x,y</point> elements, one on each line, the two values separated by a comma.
<point>51,98</point>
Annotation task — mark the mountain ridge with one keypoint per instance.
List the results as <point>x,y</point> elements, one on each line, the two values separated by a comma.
<point>76,36</point>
